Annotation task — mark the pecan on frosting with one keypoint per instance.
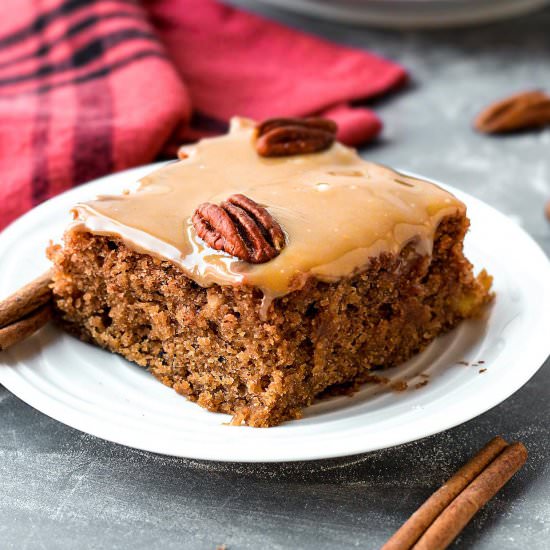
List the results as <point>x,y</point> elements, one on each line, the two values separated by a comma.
<point>518,112</point>
<point>280,137</point>
<point>240,227</point>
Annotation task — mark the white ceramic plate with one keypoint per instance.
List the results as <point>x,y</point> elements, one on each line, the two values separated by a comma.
<point>410,13</point>
<point>104,395</point>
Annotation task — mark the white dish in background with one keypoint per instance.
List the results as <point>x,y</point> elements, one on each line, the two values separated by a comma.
<point>104,395</point>
<point>410,13</point>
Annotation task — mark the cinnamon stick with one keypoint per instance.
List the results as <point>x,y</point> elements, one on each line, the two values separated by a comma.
<point>25,311</point>
<point>26,300</point>
<point>18,331</point>
<point>456,516</point>
<point>413,528</point>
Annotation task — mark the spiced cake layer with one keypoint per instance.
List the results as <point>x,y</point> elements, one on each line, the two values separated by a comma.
<point>371,271</point>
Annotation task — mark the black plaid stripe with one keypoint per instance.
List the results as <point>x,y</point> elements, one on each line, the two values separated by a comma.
<point>87,54</point>
<point>73,31</point>
<point>41,22</point>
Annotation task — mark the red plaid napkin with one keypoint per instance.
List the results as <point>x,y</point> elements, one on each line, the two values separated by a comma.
<point>88,87</point>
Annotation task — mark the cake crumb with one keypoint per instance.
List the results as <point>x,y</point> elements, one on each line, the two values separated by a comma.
<point>465,363</point>
<point>399,385</point>
<point>420,384</point>
<point>482,371</point>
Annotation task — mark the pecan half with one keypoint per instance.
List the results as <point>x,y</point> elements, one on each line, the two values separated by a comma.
<point>317,123</point>
<point>240,227</point>
<point>280,137</point>
<point>518,112</point>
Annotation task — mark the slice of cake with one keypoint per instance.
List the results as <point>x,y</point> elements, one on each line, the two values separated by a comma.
<point>265,267</point>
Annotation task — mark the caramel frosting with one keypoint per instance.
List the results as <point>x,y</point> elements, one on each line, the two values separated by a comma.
<point>337,211</point>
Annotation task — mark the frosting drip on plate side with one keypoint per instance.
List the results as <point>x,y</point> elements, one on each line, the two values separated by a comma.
<point>336,210</point>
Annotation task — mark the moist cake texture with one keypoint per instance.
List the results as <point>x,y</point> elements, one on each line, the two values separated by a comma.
<point>372,271</point>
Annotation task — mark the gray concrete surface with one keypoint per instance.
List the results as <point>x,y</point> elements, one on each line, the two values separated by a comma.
<point>63,489</point>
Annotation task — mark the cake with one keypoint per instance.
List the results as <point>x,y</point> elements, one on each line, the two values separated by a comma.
<point>337,267</point>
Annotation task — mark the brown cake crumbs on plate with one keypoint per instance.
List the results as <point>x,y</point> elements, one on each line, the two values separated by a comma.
<point>399,385</point>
